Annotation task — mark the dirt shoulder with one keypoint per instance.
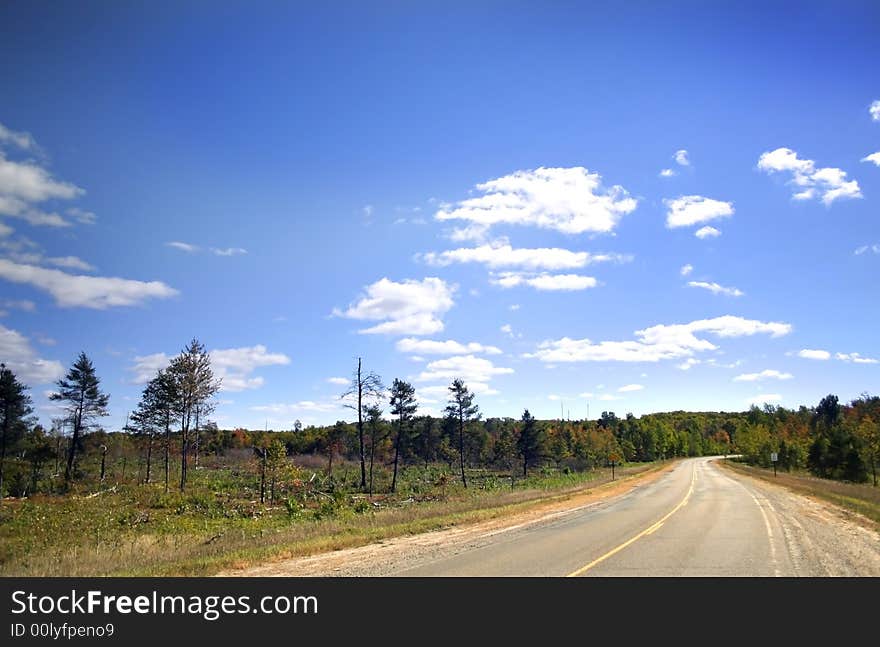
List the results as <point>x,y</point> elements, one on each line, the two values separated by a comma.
<point>384,557</point>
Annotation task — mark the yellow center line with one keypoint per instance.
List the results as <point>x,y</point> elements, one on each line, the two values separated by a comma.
<point>646,531</point>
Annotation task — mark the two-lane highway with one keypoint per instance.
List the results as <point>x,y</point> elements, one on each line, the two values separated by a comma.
<point>697,520</point>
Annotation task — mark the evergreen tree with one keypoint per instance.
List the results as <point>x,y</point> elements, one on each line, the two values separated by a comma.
<point>15,405</point>
<point>403,405</point>
<point>530,443</point>
<point>85,402</point>
<point>462,409</point>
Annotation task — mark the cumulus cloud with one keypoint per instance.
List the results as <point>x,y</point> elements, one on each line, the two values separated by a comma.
<point>233,366</point>
<point>657,343</point>
<point>479,388</point>
<point>469,368</point>
<point>291,409</point>
<point>714,288</point>
<point>873,157</point>
<point>97,292</point>
<point>668,172</point>
<point>875,248</point>
<point>340,381</point>
<point>71,263</point>
<point>22,140</point>
<point>808,353</point>
<point>501,254</point>
<point>409,307</point>
<point>856,358</point>
<point>767,374</point>
<point>448,347</point>
<point>875,110</point>
<point>568,200</point>
<point>25,184</point>
<point>630,388</point>
<point>681,158</point>
<point>764,398</point>
<point>827,184</point>
<point>21,359</point>
<point>686,269</point>
<point>707,232</point>
<point>688,364</point>
<point>544,281</point>
<point>688,210</point>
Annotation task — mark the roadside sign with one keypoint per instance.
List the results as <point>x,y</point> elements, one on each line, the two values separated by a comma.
<point>774,456</point>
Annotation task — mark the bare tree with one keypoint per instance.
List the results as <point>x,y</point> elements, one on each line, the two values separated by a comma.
<point>364,388</point>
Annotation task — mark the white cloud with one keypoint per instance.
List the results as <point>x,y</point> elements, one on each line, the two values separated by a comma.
<point>501,254</point>
<point>29,183</point>
<point>856,357</point>
<point>657,342</point>
<point>630,388</point>
<point>479,388</point>
<point>681,158</point>
<point>707,232</point>
<point>5,230</point>
<point>21,304</point>
<point>70,262</point>
<point>688,364</point>
<point>232,365</point>
<point>467,367</point>
<point>184,247</point>
<point>714,288</point>
<point>409,308</point>
<point>297,407</point>
<point>229,251</point>
<point>513,307</point>
<point>873,157</point>
<point>875,248</point>
<point>875,110</point>
<point>341,381</point>
<point>808,353</point>
<point>828,184</point>
<point>568,200</point>
<point>668,172</point>
<point>23,140</point>
<point>448,347</point>
<point>82,216</point>
<point>689,210</point>
<point>507,330</point>
<point>764,398</point>
<point>20,358</point>
<point>763,375</point>
<point>544,281</point>
<point>686,269</point>
<point>96,292</point>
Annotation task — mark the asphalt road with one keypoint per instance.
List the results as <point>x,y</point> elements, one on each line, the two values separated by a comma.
<point>697,520</point>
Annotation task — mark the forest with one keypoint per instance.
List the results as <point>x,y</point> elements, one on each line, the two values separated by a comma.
<point>171,431</point>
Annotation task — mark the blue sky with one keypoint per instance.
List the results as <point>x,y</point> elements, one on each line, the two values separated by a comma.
<point>633,208</point>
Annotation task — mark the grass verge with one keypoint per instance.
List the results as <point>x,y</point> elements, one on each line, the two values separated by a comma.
<point>860,498</point>
<point>87,536</point>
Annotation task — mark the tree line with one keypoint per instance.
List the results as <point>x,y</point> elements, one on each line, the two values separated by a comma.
<point>172,420</point>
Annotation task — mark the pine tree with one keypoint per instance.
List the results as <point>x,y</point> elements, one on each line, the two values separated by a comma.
<point>15,405</point>
<point>462,409</point>
<point>530,443</point>
<point>403,405</point>
<point>80,389</point>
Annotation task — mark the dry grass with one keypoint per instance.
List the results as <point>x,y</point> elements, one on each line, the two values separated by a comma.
<point>861,498</point>
<point>222,545</point>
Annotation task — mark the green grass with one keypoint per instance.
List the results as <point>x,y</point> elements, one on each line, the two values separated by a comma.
<point>219,523</point>
<point>861,498</point>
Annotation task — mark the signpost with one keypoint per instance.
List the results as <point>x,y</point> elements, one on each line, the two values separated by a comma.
<point>774,457</point>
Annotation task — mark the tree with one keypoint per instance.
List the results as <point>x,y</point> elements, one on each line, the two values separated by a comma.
<point>374,423</point>
<point>403,405</point>
<point>15,405</point>
<point>194,386</point>
<point>462,409</point>
<point>80,389</point>
<point>363,389</point>
<point>530,443</point>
